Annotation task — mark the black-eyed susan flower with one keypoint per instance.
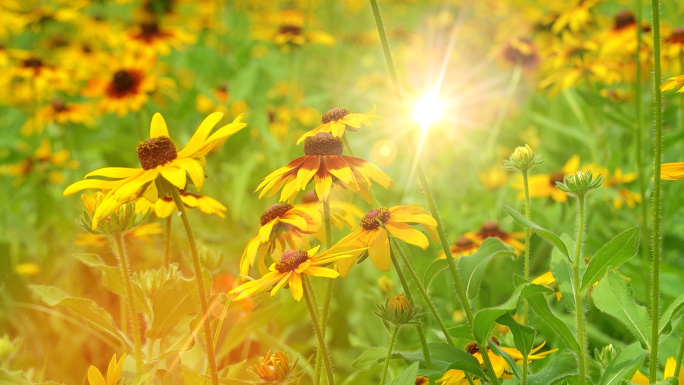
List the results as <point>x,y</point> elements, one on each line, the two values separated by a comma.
<point>376,227</point>
<point>95,377</point>
<point>463,247</point>
<point>292,266</point>
<point>669,370</point>
<point>544,185</point>
<point>674,43</point>
<point>158,158</point>
<point>491,229</point>
<point>155,39</point>
<point>165,206</point>
<point>324,163</point>
<point>59,112</point>
<point>616,181</point>
<point>493,178</point>
<point>521,52</point>
<point>44,163</point>
<point>287,29</point>
<point>337,120</point>
<point>283,226</point>
<point>126,86</point>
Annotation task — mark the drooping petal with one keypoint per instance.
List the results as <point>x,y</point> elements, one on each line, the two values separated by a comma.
<point>407,234</point>
<point>115,172</point>
<point>318,271</point>
<point>379,249</point>
<point>296,286</point>
<point>176,176</point>
<point>194,169</point>
<point>95,377</point>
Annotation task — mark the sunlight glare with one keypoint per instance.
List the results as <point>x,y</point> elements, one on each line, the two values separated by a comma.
<point>428,109</point>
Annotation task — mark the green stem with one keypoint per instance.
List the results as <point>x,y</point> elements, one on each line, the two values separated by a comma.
<point>328,284</point>
<point>389,354</point>
<point>680,354</point>
<point>118,239</point>
<point>200,284</point>
<point>308,293</point>
<point>524,368</point>
<point>167,244</point>
<point>657,185</point>
<point>460,291</point>
<point>528,215</point>
<point>578,297</point>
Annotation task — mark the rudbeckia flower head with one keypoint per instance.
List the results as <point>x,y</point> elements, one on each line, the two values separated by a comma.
<point>337,120</point>
<point>95,377</point>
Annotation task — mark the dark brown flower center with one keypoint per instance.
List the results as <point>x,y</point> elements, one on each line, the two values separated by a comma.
<point>472,348</point>
<point>516,56</point>
<point>463,242</point>
<point>291,260</point>
<point>310,197</point>
<point>149,28</point>
<point>677,36</point>
<point>623,19</point>
<point>58,105</point>
<point>86,48</point>
<point>273,212</point>
<point>556,177</point>
<point>491,229</point>
<point>334,114</point>
<point>370,220</point>
<point>291,29</point>
<point>33,62</point>
<point>323,144</point>
<point>420,380</point>
<point>123,81</point>
<point>155,152</point>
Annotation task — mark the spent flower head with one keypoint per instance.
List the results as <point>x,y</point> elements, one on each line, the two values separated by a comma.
<point>580,183</point>
<point>523,159</point>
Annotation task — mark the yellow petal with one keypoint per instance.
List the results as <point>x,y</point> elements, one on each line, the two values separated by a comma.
<point>158,126</point>
<point>177,176</point>
<point>91,184</point>
<point>200,136</point>
<point>296,286</point>
<point>407,234</point>
<point>194,169</point>
<point>115,172</point>
<point>379,250</point>
<point>95,377</point>
<point>318,271</point>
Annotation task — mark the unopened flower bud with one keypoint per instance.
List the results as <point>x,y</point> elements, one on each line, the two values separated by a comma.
<point>580,183</point>
<point>523,158</point>
<point>398,309</point>
<point>274,368</point>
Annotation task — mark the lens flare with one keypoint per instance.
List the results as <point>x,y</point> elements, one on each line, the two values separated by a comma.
<point>428,109</point>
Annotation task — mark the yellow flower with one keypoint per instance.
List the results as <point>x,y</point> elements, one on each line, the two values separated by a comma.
<point>491,229</point>
<point>324,163</point>
<point>158,158</point>
<point>493,178</point>
<point>113,372</point>
<point>286,28</point>
<point>282,226</point>
<point>378,224</point>
<point>672,171</point>
<point>58,112</point>
<point>335,122</point>
<point>43,162</point>
<point>385,284</point>
<point>672,83</point>
<point>165,206</point>
<point>544,185</point>
<point>576,17</point>
<point>27,269</point>
<point>290,269</point>
<point>640,379</point>
<point>615,181</point>
<point>153,39</point>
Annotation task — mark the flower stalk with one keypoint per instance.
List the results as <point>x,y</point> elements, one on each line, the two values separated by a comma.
<point>328,288</point>
<point>393,337</point>
<point>579,314</point>
<point>657,189</point>
<point>308,293</point>
<point>175,195</point>
<point>125,272</point>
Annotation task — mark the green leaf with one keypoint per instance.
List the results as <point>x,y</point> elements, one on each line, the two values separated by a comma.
<point>472,268</point>
<point>14,378</point>
<point>95,316</point>
<point>247,325</point>
<point>541,307</point>
<point>523,336</point>
<point>509,360</point>
<point>178,338</point>
<point>612,254</point>
<point>561,268</point>
<point>624,365</point>
<point>445,357</point>
<point>461,360</point>
<point>561,367</point>
<point>672,311</point>
<point>370,358</point>
<point>431,272</point>
<point>175,299</point>
<point>461,332</point>
<point>546,234</point>
<point>113,280</point>
<point>407,377</point>
<point>613,296</point>
<point>146,372</point>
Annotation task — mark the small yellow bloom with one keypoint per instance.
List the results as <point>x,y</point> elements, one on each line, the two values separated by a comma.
<point>95,377</point>
<point>164,207</point>
<point>337,120</point>
<point>27,269</point>
<point>385,284</point>
<point>493,178</point>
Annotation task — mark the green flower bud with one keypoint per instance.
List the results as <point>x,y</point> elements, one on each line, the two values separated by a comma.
<point>523,158</point>
<point>580,183</point>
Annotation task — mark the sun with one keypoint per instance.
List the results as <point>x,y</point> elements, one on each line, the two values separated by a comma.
<point>428,109</point>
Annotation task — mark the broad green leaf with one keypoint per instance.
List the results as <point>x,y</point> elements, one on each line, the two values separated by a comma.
<point>146,372</point>
<point>175,299</point>
<point>461,332</point>
<point>509,360</point>
<point>624,365</point>
<point>178,338</point>
<point>472,268</point>
<point>561,268</point>
<point>541,307</point>
<point>612,254</point>
<point>546,234</point>
<point>562,366</point>
<point>613,296</point>
<point>113,280</point>
<point>486,318</point>
<point>14,378</point>
<point>462,360</point>
<point>523,336</point>
<point>672,311</point>
<point>94,315</point>
<point>407,377</point>
<point>370,358</point>
<point>445,357</point>
<point>431,272</point>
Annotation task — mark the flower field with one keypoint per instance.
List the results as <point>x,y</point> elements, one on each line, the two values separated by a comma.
<point>214,192</point>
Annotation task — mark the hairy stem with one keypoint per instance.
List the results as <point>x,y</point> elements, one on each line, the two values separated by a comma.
<point>135,327</point>
<point>680,354</point>
<point>200,284</point>
<point>308,293</point>
<point>578,296</point>
<point>389,354</point>
<point>328,286</point>
<point>657,185</point>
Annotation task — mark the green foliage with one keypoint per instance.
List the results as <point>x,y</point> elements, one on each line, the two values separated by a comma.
<point>407,376</point>
<point>624,365</point>
<point>541,307</point>
<point>561,367</point>
<point>546,234</point>
<point>613,254</point>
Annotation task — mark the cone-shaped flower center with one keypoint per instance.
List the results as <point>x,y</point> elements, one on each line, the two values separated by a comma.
<point>149,28</point>
<point>472,348</point>
<point>123,81</point>
<point>463,242</point>
<point>556,177</point>
<point>334,114</point>
<point>156,151</point>
<point>291,260</point>
<point>370,220</point>
<point>291,29</point>
<point>624,19</point>
<point>33,62</point>
<point>273,212</point>
<point>58,105</point>
<point>491,229</point>
<point>677,36</point>
<point>323,144</point>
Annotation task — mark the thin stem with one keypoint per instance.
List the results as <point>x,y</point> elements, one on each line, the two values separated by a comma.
<point>460,291</point>
<point>657,185</point>
<point>524,368</point>
<point>328,284</point>
<point>389,354</point>
<point>528,215</point>
<point>167,243</point>
<point>200,284</point>
<point>578,297</point>
<point>680,354</point>
<point>118,239</point>
<point>308,293</point>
